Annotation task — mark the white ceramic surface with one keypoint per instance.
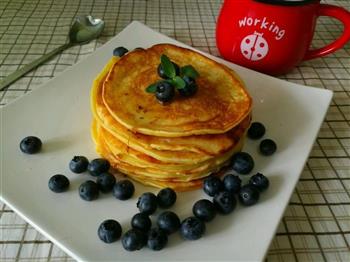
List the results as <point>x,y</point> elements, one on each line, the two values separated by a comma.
<point>59,114</point>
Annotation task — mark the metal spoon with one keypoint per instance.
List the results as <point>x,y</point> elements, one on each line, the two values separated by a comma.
<point>83,30</point>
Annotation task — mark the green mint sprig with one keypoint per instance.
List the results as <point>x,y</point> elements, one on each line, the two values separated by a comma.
<point>189,71</point>
<point>168,66</point>
<point>152,88</point>
<point>177,82</point>
<point>170,72</point>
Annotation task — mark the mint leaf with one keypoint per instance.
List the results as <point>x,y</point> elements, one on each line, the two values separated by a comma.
<point>152,88</point>
<point>189,71</point>
<point>178,82</point>
<point>168,67</point>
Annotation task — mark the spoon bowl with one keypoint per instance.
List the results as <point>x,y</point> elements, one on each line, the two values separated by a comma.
<point>85,29</point>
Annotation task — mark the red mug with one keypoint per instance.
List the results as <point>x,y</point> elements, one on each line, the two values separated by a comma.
<point>273,36</point>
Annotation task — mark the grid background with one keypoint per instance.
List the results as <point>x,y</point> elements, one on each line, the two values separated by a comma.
<point>316,224</point>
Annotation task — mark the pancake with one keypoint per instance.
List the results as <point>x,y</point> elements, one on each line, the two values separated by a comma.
<point>160,147</point>
<point>152,174</point>
<point>207,144</point>
<point>220,104</point>
<point>135,159</point>
<point>176,184</point>
<point>176,144</point>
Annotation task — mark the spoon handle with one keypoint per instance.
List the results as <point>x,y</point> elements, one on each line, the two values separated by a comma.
<point>29,67</point>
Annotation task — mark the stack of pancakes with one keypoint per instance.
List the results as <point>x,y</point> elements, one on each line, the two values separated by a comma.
<point>175,144</point>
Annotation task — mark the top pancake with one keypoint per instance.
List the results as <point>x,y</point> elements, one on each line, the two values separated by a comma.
<point>207,144</point>
<point>220,103</point>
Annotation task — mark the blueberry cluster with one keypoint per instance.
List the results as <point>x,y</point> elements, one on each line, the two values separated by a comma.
<point>90,189</point>
<point>267,146</point>
<point>167,222</point>
<point>223,192</point>
<point>109,230</point>
<point>193,227</point>
<point>142,233</point>
<point>105,182</point>
<point>173,78</point>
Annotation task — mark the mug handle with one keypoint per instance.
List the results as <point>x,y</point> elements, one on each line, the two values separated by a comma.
<point>340,14</point>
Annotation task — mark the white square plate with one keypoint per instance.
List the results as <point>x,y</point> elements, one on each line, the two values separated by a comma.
<point>59,114</point>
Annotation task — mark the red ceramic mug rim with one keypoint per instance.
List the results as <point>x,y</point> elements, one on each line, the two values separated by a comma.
<point>287,2</point>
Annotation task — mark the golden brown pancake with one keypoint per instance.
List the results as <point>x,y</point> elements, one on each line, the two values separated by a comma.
<point>136,161</point>
<point>171,145</point>
<point>176,184</point>
<point>161,148</point>
<point>219,105</point>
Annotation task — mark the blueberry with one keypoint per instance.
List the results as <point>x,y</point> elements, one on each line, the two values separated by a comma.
<point>204,210</point>
<point>88,190</point>
<point>242,163</point>
<point>190,88</point>
<point>225,202</point>
<point>168,221</point>
<point>165,91</point>
<point>267,147</point>
<point>78,164</point>
<point>157,239</point>
<point>123,190</point>
<point>166,197</point>
<point>192,228</point>
<point>259,181</point>
<point>212,185</point>
<point>109,231</point>
<point>141,221</point>
<point>98,166</point>
<point>30,145</point>
<point>248,195</point>
<point>120,51</point>
<point>105,182</point>
<point>58,183</point>
<point>256,130</point>
<point>134,239</point>
<point>161,72</point>
<point>147,203</point>
<point>232,183</point>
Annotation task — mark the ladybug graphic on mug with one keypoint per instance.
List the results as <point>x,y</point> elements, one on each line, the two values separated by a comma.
<point>254,47</point>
